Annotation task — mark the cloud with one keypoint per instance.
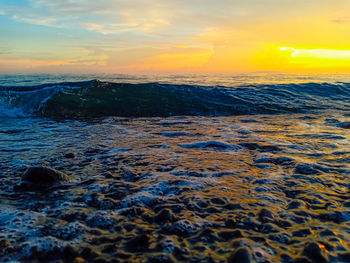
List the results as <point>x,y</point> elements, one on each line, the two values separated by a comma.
<point>48,21</point>
<point>341,20</point>
<point>111,28</point>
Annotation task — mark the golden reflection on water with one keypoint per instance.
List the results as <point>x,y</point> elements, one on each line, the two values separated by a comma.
<point>214,174</point>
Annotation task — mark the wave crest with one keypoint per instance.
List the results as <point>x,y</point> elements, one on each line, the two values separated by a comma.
<point>95,98</point>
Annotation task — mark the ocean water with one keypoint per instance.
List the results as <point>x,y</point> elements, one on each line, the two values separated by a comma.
<point>168,168</point>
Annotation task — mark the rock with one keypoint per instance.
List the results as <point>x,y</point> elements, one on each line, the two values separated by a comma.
<point>296,204</point>
<point>44,176</point>
<point>229,235</point>
<point>184,227</point>
<point>327,232</point>
<point>70,253</point>
<point>139,242</point>
<point>88,254</point>
<point>280,237</point>
<point>265,215</point>
<point>160,259</point>
<point>302,232</point>
<point>69,155</point>
<point>40,178</point>
<point>302,260</point>
<point>313,251</point>
<point>241,255</point>
<point>268,228</point>
<point>165,215</point>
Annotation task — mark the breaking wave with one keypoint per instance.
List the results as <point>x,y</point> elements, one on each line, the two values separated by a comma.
<point>96,98</point>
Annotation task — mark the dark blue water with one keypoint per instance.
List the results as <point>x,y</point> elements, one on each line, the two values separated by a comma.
<point>136,96</point>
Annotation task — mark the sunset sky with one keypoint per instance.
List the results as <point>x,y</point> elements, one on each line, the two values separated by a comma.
<point>180,36</point>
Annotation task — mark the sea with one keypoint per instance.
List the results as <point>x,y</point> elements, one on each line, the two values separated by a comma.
<point>175,168</point>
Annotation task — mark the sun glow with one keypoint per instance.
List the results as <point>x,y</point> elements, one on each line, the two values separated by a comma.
<point>317,53</point>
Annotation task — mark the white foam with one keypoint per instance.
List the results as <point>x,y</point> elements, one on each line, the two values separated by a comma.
<point>11,112</point>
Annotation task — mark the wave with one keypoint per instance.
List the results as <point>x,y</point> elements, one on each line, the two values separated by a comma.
<point>95,98</point>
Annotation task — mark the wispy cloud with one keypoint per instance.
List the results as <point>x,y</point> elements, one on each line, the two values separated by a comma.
<point>341,20</point>
<point>48,21</point>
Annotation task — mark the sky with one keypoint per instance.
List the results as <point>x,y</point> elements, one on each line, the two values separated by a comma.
<point>174,36</point>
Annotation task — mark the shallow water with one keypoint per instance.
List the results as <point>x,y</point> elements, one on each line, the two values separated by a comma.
<point>189,188</point>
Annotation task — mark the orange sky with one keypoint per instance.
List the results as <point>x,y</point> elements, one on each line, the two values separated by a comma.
<point>133,36</point>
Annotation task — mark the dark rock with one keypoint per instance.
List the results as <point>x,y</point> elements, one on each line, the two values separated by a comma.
<point>296,204</point>
<point>230,222</point>
<point>218,201</point>
<point>285,258</point>
<point>302,233</point>
<point>160,259</point>
<point>208,236</point>
<point>183,228</point>
<point>314,252</point>
<point>229,235</point>
<point>302,260</point>
<point>281,238</point>
<point>100,260</point>
<point>139,242</point>
<point>122,255</point>
<point>44,176</point>
<point>283,223</point>
<point>181,254</point>
<point>45,254</point>
<point>69,155</point>
<point>327,232</point>
<point>88,254</point>
<point>269,228</point>
<point>337,217</point>
<point>241,255</point>
<point>70,253</point>
<point>265,215</point>
<point>165,215</point>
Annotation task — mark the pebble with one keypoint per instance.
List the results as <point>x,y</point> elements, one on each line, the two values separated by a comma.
<point>165,215</point>
<point>313,251</point>
<point>265,215</point>
<point>241,255</point>
<point>302,233</point>
<point>44,175</point>
<point>229,235</point>
<point>296,204</point>
<point>69,155</point>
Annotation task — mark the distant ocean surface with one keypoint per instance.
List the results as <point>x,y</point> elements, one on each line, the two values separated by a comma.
<point>175,168</point>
